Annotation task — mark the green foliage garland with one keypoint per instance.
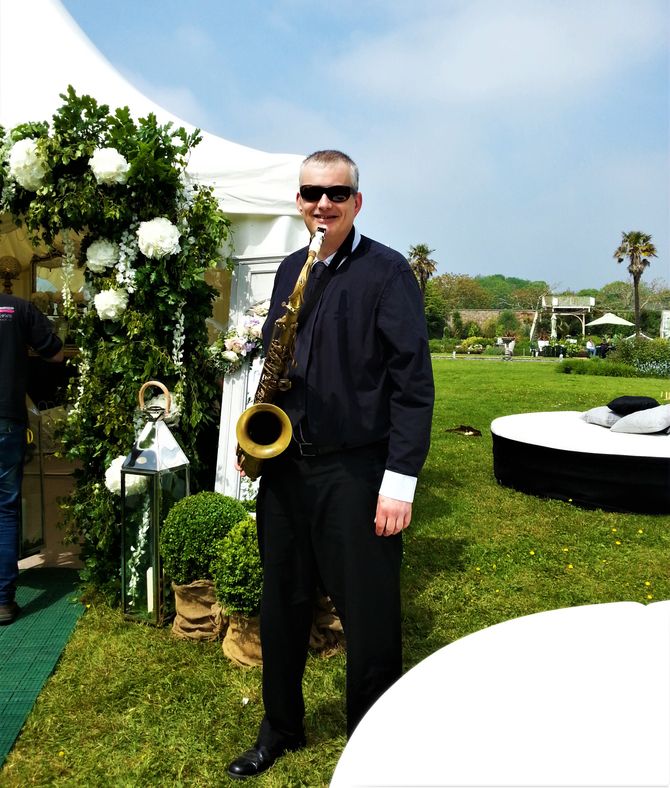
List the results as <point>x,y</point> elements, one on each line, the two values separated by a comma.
<point>157,328</point>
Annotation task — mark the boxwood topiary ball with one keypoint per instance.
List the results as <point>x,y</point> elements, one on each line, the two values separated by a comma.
<point>237,570</point>
<point>190,532</point>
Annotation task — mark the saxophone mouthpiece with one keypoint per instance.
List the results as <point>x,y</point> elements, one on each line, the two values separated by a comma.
<point>317,240</point>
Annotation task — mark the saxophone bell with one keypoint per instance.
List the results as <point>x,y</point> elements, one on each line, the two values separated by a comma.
<point>263,431</point>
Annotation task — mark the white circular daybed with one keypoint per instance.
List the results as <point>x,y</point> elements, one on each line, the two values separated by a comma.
<point>560,455</point>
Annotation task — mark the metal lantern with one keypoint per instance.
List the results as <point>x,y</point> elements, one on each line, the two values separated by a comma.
<point>154,476</point>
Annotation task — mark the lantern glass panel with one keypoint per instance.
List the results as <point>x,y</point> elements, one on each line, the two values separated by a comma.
<point>139,556</point>
<point>174,485</point>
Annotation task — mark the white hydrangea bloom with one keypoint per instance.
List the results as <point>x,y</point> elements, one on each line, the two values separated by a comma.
<point>102,254</point>
<point>158,238</point>
<point>26,165</point>
<point>109,166</point>
<point>111,304</point>
<point>134,482</point>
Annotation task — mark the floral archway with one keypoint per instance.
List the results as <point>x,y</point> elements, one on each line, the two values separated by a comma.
<point>112,195</point>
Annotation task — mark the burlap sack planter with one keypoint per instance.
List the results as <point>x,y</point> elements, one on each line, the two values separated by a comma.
<point>327,635</point>
<point>198,614</point>
<point>242,641</point>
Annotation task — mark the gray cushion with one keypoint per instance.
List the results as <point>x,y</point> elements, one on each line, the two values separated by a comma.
<point>645,421</point>
<point>602,415</point>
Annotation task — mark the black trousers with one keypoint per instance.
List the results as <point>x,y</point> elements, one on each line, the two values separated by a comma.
<point>316,527</point>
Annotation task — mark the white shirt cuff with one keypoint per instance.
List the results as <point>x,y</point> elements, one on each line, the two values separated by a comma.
<point>398,486</point>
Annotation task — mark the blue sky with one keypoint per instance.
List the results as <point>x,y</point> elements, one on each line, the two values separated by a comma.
<point>512,136</point>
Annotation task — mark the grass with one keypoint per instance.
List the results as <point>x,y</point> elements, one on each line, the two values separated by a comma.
<point>131,706</point>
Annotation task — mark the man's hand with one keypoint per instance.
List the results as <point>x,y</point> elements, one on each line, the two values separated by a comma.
<point>392,516</point>
<point>239,469</point>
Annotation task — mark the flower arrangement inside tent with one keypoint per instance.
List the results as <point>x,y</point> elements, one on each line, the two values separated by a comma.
<point>241,343</point>
<point>113,196</point>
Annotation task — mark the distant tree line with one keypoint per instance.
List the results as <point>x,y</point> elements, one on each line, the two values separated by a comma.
<point>447,295</point>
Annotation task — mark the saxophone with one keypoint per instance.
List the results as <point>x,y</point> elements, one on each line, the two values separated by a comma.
<point>264,430</point>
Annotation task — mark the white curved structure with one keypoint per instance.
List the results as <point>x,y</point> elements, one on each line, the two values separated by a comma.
<point>572,697</point>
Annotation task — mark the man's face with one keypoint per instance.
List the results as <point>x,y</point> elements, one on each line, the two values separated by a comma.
<point>336,217</point>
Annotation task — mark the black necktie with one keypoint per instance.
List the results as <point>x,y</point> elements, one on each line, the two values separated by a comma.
<point>310,296</point>
<point>294,399</point>
<point>316,283</point>
<point>318,270</point>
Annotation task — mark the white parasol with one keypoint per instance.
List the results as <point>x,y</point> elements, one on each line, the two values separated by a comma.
<point>610,319</point>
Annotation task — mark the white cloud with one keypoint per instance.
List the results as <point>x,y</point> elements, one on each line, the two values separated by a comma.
<point>484,50</point>
<point>182,102</point>
<point>520,214</point>
<point>291,127</point>
<point>194,42</point>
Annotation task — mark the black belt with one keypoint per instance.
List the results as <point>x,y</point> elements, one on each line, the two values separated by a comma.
<point>319,450</point>
<point>312,449</point>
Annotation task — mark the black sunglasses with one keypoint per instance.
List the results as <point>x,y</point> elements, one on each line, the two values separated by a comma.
<point>333,193</point>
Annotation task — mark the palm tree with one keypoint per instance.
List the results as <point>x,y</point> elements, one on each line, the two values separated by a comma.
<point>637,247</point>
<point>420,262</point>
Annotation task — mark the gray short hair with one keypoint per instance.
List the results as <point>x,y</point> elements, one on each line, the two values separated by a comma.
<point>327,157</point>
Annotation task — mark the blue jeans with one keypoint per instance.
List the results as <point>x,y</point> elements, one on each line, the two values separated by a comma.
<point>12,451</point>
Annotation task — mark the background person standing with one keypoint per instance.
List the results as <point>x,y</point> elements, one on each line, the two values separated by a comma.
<point>22,326</point>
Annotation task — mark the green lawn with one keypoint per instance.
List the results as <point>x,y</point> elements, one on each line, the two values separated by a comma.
<point>131,706</point>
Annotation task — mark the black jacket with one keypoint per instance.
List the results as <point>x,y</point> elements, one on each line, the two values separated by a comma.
<point>364,373</point>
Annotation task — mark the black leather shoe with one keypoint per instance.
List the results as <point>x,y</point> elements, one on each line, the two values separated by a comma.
<point>8,612</point>
<point>258,760</point>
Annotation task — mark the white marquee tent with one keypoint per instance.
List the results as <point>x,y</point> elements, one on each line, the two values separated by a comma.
<point>42,51</point>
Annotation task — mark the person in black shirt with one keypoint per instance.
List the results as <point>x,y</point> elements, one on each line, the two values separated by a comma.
<point>331,509</point>
<point>22,326</point>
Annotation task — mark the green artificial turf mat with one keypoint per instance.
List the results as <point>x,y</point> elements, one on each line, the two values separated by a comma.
<point>31,646</point>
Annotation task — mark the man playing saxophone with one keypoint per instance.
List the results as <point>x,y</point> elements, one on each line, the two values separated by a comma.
<point>331,508</point>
